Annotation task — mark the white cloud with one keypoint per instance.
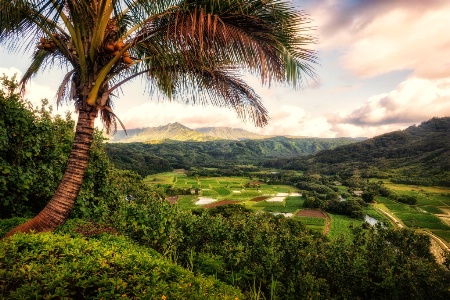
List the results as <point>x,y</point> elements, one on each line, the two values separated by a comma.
<point>413,101</point>
<point>10,72</point>
<point>36,92</point>
<point>382,36</point>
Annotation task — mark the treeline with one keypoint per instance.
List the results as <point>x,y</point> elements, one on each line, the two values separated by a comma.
<point>153,158</point>
<point>416,155</point>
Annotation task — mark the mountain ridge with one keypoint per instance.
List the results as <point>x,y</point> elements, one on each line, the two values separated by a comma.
<point>419,154</point>
<point>179,132</point>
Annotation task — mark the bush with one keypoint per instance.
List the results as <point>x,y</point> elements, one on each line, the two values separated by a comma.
<point>8,224</point>
<point>58,266</point>
<point>407,199</point>
<point>34,148</point>
<point>352,208</point>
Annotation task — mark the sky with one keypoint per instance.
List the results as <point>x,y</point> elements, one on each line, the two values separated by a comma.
<point>383,65</point>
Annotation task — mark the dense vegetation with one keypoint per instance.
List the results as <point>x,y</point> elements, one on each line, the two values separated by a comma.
<point>144,247</point>
<point>416,155</point>
<point>33,153</point>
<point>64,267</point>
<point>153,158</point>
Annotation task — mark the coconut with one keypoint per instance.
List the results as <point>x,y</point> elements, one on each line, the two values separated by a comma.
<point>47,46</point>
<point>127,60</point>
<point>116,53</point>
<point>126,54</point>
<point>119,46</point>
<point>110,47</point>
<point>40,47</point>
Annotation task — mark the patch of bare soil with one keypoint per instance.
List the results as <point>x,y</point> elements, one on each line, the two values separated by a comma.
<point>311,213</point>
<point>219,203</point>
<point>260,198</point>
<point>436,250</point>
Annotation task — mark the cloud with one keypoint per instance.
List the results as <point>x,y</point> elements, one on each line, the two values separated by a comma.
<point>286,120</point>
<point>413,101</point>
<point>35,92</point>
<point>378,37</point>
<point>10,72</point>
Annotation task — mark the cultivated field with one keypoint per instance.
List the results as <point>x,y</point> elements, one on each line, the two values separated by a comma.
<point>258,196</point>
<point>432,212</point>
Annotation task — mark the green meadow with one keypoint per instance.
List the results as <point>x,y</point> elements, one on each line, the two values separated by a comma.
<point>432,202</point>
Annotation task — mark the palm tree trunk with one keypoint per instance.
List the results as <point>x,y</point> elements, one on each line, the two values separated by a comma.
<point>57,210</point>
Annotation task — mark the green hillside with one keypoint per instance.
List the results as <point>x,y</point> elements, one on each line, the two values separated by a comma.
<point>172,131</point>
<point>418,154</point>
<point>152,158</point>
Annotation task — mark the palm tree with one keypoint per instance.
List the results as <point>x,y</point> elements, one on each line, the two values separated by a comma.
<point>193,50</point>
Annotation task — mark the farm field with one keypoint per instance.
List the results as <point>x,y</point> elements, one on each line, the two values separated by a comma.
<point>431,212</point>
<point>258,196</point>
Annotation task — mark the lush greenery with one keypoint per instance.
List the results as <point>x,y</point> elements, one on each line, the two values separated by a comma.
<point>153,158</point>
<point>416,155</point>
<point>34,148</point>
<point>48,266</point>
<point>125,240</point>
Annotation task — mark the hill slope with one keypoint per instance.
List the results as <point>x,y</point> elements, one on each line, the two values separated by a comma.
<point>227,133</point>
<point>221,153</point>
<point>179,132</point>
<point>418,154</point>
<point>172,131</point>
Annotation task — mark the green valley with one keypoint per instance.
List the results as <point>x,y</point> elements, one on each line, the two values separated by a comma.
<point>215,220</point>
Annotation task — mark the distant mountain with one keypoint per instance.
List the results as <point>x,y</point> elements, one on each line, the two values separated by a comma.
<point>418,154</point>
<point>169,132</point>
<point>178,132</point>
<point>227,133</point>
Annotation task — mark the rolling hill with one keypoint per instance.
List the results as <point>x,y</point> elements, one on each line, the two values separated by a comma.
<point>146,158</point>
<point>179,132</point>
<point>171,131</point>
<point>419,155</point>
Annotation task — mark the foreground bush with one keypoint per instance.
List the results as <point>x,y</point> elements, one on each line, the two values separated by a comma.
<point>57,266</point>
<point>34,148</point>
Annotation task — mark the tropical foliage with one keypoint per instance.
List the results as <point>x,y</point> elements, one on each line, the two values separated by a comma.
<point>33,152</point>
<point>109,250</point>
<point>108,267</point>
<point>189,50</point>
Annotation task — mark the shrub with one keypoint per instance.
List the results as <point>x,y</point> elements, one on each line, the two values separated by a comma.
<point>352,208</point>
<point>407,199</point>
<point>8,224</point>
<point>34,148</point>
<point>58,266</point>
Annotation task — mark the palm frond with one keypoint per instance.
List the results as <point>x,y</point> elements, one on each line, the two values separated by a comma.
<point>63,91</point>
<point>39,61</point>
<point>185,49</point>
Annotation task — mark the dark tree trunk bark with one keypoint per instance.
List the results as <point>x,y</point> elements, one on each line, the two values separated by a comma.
<point>58,209</point>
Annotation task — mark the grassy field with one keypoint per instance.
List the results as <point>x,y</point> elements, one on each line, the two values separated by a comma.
<point>220,188</point>
<point>340,225</point>
<point>432,201</point>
